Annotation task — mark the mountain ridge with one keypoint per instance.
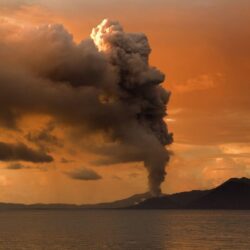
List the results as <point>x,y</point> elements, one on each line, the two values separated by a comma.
<point>232,194</point>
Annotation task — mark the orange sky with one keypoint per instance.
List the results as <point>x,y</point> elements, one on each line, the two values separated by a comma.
<point>204,49</point>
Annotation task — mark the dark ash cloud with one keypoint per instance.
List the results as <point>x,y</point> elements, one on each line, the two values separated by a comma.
<point>20,152</point>
<point>84,174</point>
<point>44,138</point>
<point>103,85</point>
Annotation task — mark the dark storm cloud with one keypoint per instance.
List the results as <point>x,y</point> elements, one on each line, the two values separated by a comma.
<point>16,152</point>
<point>102,85</point>
<point>84,174</point>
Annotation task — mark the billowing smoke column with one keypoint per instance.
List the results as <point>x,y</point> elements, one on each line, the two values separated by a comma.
<point>100,86</point>
<point>139,86</point>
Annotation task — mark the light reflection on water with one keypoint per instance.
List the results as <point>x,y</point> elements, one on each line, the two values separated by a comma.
<point>124,229</point>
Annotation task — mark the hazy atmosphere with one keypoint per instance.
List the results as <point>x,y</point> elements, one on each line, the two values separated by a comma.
<point>69,134</point>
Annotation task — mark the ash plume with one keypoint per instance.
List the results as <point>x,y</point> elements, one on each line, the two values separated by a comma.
<point>139,88</point>
<point>102,85</point>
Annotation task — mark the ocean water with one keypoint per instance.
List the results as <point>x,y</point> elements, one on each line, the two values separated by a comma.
<point>124,229</point>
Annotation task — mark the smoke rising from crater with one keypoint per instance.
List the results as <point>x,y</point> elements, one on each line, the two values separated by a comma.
<point>138,87</point>
<point>103,85</point>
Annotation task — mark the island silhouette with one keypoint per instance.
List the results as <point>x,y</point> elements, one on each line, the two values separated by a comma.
<point>232,194</point>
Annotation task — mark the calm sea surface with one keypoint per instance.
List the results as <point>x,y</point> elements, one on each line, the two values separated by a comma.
<point>124,229</point>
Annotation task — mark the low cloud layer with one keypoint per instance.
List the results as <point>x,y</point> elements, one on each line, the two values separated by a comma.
<point>84,174</point>
<point>16,166</point>
<point>21,152</point>
<point>20,166</point>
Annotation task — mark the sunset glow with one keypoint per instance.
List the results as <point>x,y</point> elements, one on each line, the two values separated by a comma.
<point>203,47</point>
